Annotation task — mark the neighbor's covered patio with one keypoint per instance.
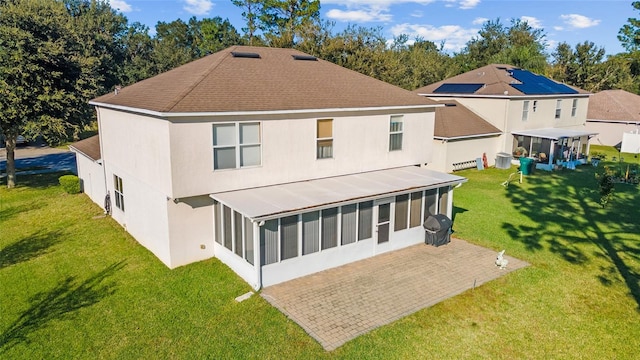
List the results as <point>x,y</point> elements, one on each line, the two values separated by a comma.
<point>553,148</point>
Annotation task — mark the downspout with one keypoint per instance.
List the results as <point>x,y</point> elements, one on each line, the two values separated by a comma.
<point>104,163</point>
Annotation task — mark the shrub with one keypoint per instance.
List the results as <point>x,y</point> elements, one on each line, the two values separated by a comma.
<point>70,183</point>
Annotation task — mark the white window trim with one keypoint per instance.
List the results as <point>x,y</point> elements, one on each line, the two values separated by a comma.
<point>118,192</point>
<point>237,146</point>
<point>391,133</point>
<point>319,139</point>
<point>574,107</point>
<point>558,109</point>
<point>525,110</point>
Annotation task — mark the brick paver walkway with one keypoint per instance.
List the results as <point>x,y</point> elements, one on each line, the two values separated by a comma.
<point>340,304</point>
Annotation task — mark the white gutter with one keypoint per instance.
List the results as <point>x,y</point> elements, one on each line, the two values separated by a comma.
<point>465,137</point>
<point>519,97</point>
<point>244,113</point>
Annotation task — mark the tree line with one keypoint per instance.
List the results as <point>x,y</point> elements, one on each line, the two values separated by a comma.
<point>56,55</point>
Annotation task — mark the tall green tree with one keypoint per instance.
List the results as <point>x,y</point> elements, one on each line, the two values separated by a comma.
<point>629,34</point>
<point>518,44</point>
<point>281,21</point>
<point>138,61</point>
<point>39,68</point>
<point>174,44</point>
<point>215,34</point>
<point>251,10</point>
<point>582,67</point>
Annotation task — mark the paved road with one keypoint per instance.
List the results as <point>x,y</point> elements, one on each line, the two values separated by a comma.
<point>39,159</point>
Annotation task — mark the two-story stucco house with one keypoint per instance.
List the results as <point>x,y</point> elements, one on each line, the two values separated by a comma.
<point>273,161</point>
<point>544,117</point>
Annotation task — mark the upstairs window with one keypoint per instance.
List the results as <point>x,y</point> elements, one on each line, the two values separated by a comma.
<point>574,107</point>
<point>558,108</point>
<point>324,138</point>
<point>236,145</point>
<point>395,133</point>
<point>525,110</point>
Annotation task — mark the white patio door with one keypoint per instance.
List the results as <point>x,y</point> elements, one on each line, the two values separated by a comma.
<point>383,224</point>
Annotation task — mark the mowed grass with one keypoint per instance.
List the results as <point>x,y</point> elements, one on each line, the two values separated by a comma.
<point>76,285</point>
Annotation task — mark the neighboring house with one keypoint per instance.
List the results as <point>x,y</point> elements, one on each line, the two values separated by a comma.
<point>460,137</point>
<point>611,114</point>
<point>544,117</point>
<point>275,162</point>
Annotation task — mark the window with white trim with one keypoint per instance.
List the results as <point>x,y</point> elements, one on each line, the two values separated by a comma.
<point>118,192</point>
<point>558,108</point>
<point>395,133</point>
<point>236,145</point>
<point>574,107</point>
<point>324,138</point>
<point>525,110</point>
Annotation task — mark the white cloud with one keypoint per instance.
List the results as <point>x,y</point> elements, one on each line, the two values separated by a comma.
<point>462,4</point>
<point>417,14</point>
<point>356,16</point>
<point>469,4</point>
<point>533,22</point>
<point>579,21</point>
<point>198,7</point>
<point>479,21</point>
<point>375,3</point>
<point>120,5</point>
<point>455,37</point>
<point>558,28</point>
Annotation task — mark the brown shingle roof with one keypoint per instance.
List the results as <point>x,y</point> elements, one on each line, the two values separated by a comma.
<point>495,79</point>
<point>276,81</point>
<point>456,121</point>
<point>90,147</point>
<point>614,105</point>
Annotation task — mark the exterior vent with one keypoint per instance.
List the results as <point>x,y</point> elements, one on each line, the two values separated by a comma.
<point>249,55</point>
<point>304,57</point>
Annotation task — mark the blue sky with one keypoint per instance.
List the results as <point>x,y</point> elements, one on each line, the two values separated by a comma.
<point>453,22</point>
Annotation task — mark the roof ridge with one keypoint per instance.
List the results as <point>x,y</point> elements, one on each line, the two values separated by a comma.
<point>195,84</point>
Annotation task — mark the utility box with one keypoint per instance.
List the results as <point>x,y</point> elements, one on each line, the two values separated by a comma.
<point>503,160</point>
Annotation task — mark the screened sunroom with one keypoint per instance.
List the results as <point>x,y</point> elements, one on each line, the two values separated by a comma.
<point>272,234</point>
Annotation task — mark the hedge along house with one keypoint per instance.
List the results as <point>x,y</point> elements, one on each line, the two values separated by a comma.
<point>273,161</point>
<point>531,111</point>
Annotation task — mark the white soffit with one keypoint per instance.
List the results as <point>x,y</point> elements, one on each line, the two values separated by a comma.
<point>279,200</point>
<point>554,133</point>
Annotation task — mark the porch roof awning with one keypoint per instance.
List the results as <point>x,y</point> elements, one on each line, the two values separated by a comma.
<point>275,201</point>
<point>554,133</point>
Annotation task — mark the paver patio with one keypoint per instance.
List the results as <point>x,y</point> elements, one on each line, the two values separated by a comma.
<point>340,304</point>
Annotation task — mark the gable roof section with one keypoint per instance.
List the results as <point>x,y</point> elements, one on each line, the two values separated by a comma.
<point>498,80</point>
<point>614,105</point>
<point>456,121</point>
<point>89,147</point>
<point>274,80</point>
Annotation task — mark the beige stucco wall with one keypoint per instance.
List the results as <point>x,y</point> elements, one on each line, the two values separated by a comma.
<point>360,144</point>
<point>92,177</point>
<point>609,133</point>
<point>447,153</point>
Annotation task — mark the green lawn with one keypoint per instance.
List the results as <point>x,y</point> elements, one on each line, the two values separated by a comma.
<point>76,285</point>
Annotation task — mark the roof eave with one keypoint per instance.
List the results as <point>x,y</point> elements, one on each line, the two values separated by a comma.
<point>164,114</point>
<point>503,96</point>
<point>466,136</point>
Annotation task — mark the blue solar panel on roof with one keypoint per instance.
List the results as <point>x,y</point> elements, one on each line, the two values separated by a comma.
<point>533,84</point>
<point>457,88</point>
